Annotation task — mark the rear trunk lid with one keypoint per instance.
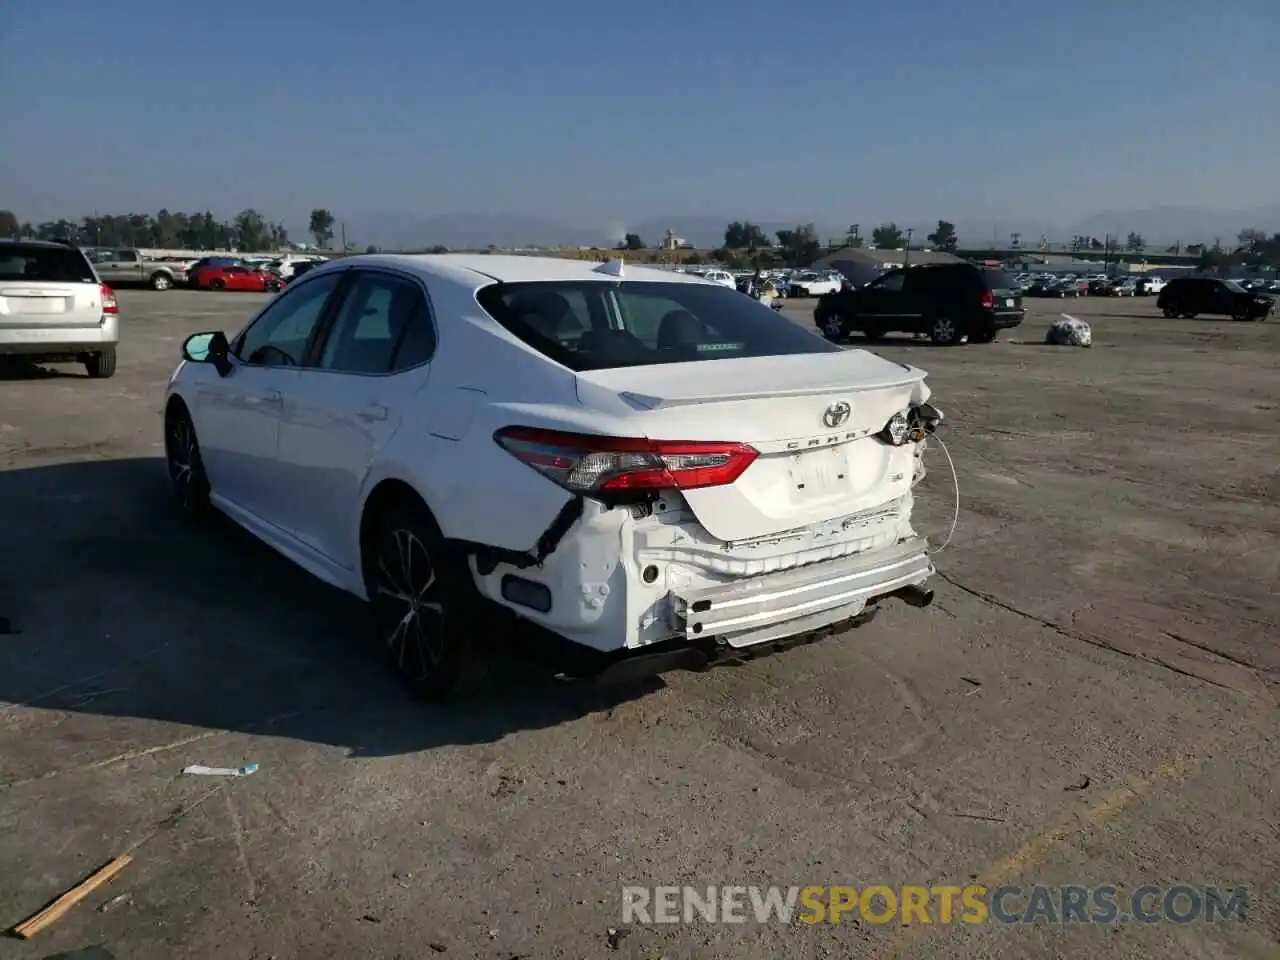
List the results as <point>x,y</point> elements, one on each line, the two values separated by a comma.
<point>28,304</point>
<point>812,417</point>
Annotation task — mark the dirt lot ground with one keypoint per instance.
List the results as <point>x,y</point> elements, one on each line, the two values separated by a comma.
<point>1091,700</point>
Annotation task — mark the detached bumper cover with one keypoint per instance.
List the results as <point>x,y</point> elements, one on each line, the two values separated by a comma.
<point>760,609</point>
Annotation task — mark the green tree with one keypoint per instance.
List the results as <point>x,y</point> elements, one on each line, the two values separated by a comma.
<point>9,226</point>
<point>1135,243</point>
<point>1210,260</point>
<point>887,236</point>
<point>944,238</point>
<point>251,230</point>
<point>321,226</point>
<point>1249,239</point>
<point>631,241</point>
<point>744,235</point>
<point>799,246</point>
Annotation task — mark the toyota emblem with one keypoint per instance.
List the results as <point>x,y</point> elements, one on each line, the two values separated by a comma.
<point>837,413</point>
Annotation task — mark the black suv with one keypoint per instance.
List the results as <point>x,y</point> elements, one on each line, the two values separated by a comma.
<point>1188,296</point>
<point>948,301</point>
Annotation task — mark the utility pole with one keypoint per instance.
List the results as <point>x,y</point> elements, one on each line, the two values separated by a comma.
<point>343,226</point>
<point>906,256</point>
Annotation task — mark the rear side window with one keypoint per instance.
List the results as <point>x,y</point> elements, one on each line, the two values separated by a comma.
<point>596,324</point>
<point>44,264</point>
<point>383,326</point>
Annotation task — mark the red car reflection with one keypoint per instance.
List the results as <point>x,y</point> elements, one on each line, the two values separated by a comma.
<point>233,277</point>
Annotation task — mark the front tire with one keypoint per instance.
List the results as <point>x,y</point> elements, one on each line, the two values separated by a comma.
<point>1171,311</point>
<point>423,604</point>
<point>216,284</point>
<point>101,365</point>
<point>186,468</point>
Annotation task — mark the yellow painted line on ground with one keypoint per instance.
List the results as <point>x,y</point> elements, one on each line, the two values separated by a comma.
<point>1038,849</point>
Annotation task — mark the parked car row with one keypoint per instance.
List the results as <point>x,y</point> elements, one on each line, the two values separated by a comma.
<point>787,283</point>
<point>128,266</point>
<point>1094,285</point>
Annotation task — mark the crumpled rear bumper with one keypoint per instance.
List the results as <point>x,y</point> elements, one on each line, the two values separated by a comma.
<point>760,609</point>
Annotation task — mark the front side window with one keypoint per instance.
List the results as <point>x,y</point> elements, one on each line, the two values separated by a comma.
<point>595,325</point>
<point>384,326</point>
<point>890,282</point>
<point>280,334</point>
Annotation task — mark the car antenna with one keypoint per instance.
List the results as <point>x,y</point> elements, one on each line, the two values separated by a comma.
<point>610,268</point>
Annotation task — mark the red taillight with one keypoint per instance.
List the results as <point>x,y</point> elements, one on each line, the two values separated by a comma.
<point>109,304</point>
<point>988,300</point>
<point>586,463</point>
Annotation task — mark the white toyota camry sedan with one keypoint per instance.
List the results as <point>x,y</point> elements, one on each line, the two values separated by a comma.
<point>651,466</point>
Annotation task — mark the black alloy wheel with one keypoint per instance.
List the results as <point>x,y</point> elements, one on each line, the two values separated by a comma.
<point>422,602</point>
<point>186,468</point>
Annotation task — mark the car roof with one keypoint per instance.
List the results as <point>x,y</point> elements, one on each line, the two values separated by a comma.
<point>477,269</point>
<point>51,244</point>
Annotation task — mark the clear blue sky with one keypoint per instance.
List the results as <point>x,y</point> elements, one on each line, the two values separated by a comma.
<point>593,113</point>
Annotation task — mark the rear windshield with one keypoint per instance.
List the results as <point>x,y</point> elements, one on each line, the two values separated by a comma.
<point>997,280</point>
<point>19,261</point>
<point>596,325</point>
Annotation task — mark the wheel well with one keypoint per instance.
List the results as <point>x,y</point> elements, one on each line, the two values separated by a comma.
<point>175,405</point>
<point>387,494</point>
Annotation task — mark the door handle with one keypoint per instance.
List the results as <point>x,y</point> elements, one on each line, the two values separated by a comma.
<point>374,411</point>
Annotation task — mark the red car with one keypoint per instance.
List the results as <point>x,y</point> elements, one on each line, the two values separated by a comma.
<point>233,277</point>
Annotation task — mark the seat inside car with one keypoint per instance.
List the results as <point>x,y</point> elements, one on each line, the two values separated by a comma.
<point>680,332</point>
<point>549,314</point>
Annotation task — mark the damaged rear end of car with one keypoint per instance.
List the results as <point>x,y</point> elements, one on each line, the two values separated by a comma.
<point>726,498</point>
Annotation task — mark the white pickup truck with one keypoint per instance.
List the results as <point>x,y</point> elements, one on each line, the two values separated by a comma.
<point>126,266</point>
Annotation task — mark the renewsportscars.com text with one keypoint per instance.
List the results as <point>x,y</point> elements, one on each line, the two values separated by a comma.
<point>970,904</point>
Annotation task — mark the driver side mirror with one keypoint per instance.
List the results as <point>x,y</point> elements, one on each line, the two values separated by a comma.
<point>208,348</point>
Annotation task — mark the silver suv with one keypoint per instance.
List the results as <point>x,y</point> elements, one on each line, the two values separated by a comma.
<point>53,307</point>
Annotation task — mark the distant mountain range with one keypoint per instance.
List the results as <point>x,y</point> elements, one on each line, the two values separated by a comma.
<point>1161,225</point>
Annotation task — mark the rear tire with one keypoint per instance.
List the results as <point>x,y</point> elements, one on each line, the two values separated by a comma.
<point>101,365</point>
<point>161,281</point>
<point>986,336</point>
<point>944,331</point>
<point>424,604</point>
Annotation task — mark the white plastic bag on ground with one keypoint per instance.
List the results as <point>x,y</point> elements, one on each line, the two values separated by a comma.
<point>1069,332</point>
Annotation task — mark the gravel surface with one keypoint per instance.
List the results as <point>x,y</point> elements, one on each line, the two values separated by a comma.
<point>1092,698</point>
